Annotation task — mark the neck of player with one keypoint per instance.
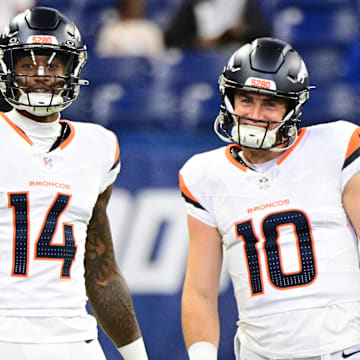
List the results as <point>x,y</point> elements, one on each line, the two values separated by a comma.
<point>261,156</point>
<point>42,119</point>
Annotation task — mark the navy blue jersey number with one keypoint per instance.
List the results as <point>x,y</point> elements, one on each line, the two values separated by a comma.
<point>44,249</point>
<point>270,230</point>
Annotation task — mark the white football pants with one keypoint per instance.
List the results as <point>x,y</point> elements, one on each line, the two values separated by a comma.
<point>62,351</point>
<point>352,353</point>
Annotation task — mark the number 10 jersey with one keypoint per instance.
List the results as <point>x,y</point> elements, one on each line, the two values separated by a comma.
<point>291,251</point>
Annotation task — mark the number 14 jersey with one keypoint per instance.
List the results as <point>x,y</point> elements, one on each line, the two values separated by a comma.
<point>291,251</point>
<point>46,202</point>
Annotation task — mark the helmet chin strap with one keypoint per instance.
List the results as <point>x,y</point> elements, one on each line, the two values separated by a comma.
<point>40,104</point>
<point>292,133</point>
<point>291,142</point>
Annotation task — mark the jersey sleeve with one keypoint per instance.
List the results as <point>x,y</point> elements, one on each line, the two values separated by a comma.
<point>194,190</point>
<point>115,164</point>
<point>351,164</point>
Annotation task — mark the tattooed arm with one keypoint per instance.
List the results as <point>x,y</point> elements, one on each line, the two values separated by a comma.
<point>107,291</point>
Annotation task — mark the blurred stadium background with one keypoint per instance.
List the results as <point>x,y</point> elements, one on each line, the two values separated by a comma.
<point>162,110</point>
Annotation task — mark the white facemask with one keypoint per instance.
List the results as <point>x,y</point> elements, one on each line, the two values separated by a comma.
<point>38,101</point>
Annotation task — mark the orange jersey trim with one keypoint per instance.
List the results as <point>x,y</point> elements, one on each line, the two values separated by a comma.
<point>231,158</point>
<point>53,235</point>
<point>17,129</point>
<point>117,151</point>
<point>70,137</point>
<point>14,235</point>
<point>354,143</point>
<point>239,236</point>
<point>301,134</point>
<point>242,167</point>
<point>185,190</point>
<point>353,148</point>
<point>298,252</point>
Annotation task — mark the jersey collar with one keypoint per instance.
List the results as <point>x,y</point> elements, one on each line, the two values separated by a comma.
<point>242,165</point>
<point>19,131</point>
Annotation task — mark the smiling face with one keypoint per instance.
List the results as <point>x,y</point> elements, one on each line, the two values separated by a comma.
<point>43,70</point>
<point>262,107</point>
<point>257,120</point>
<point>41,81</point>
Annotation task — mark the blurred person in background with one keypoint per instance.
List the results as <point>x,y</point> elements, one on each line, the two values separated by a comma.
<point>56,243</point>
<point>209,24</point>
<point>9,8</point>
<point>130,33</point>
<point>285,212</point>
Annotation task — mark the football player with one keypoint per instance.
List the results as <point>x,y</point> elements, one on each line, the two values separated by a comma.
<point>55,184</point>
<point>283,204</point>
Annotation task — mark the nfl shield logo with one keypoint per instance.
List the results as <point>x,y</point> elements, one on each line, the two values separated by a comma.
<point>48,162</point>
<point>264,183</point>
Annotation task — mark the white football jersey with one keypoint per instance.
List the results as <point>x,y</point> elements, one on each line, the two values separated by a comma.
<point>291,251</point>
<point>46,202</point>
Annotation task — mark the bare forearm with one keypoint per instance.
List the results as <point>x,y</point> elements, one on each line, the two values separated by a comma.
<point>113,308</point>
<point>106,288</point>
<point>200,320</point>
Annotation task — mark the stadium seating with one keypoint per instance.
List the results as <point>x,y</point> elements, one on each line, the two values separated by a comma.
<point>180,91</point>
<point>325,63</point>
<point>315,5</point>
<point>324,26</point>
<point>175,92</point>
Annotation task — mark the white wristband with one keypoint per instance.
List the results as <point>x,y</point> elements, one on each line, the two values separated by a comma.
<point>134,351</point>
<point>202,350</point>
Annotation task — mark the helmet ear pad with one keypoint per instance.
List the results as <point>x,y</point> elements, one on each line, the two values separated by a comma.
<point>289,127</point>
<point>288,130</point>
